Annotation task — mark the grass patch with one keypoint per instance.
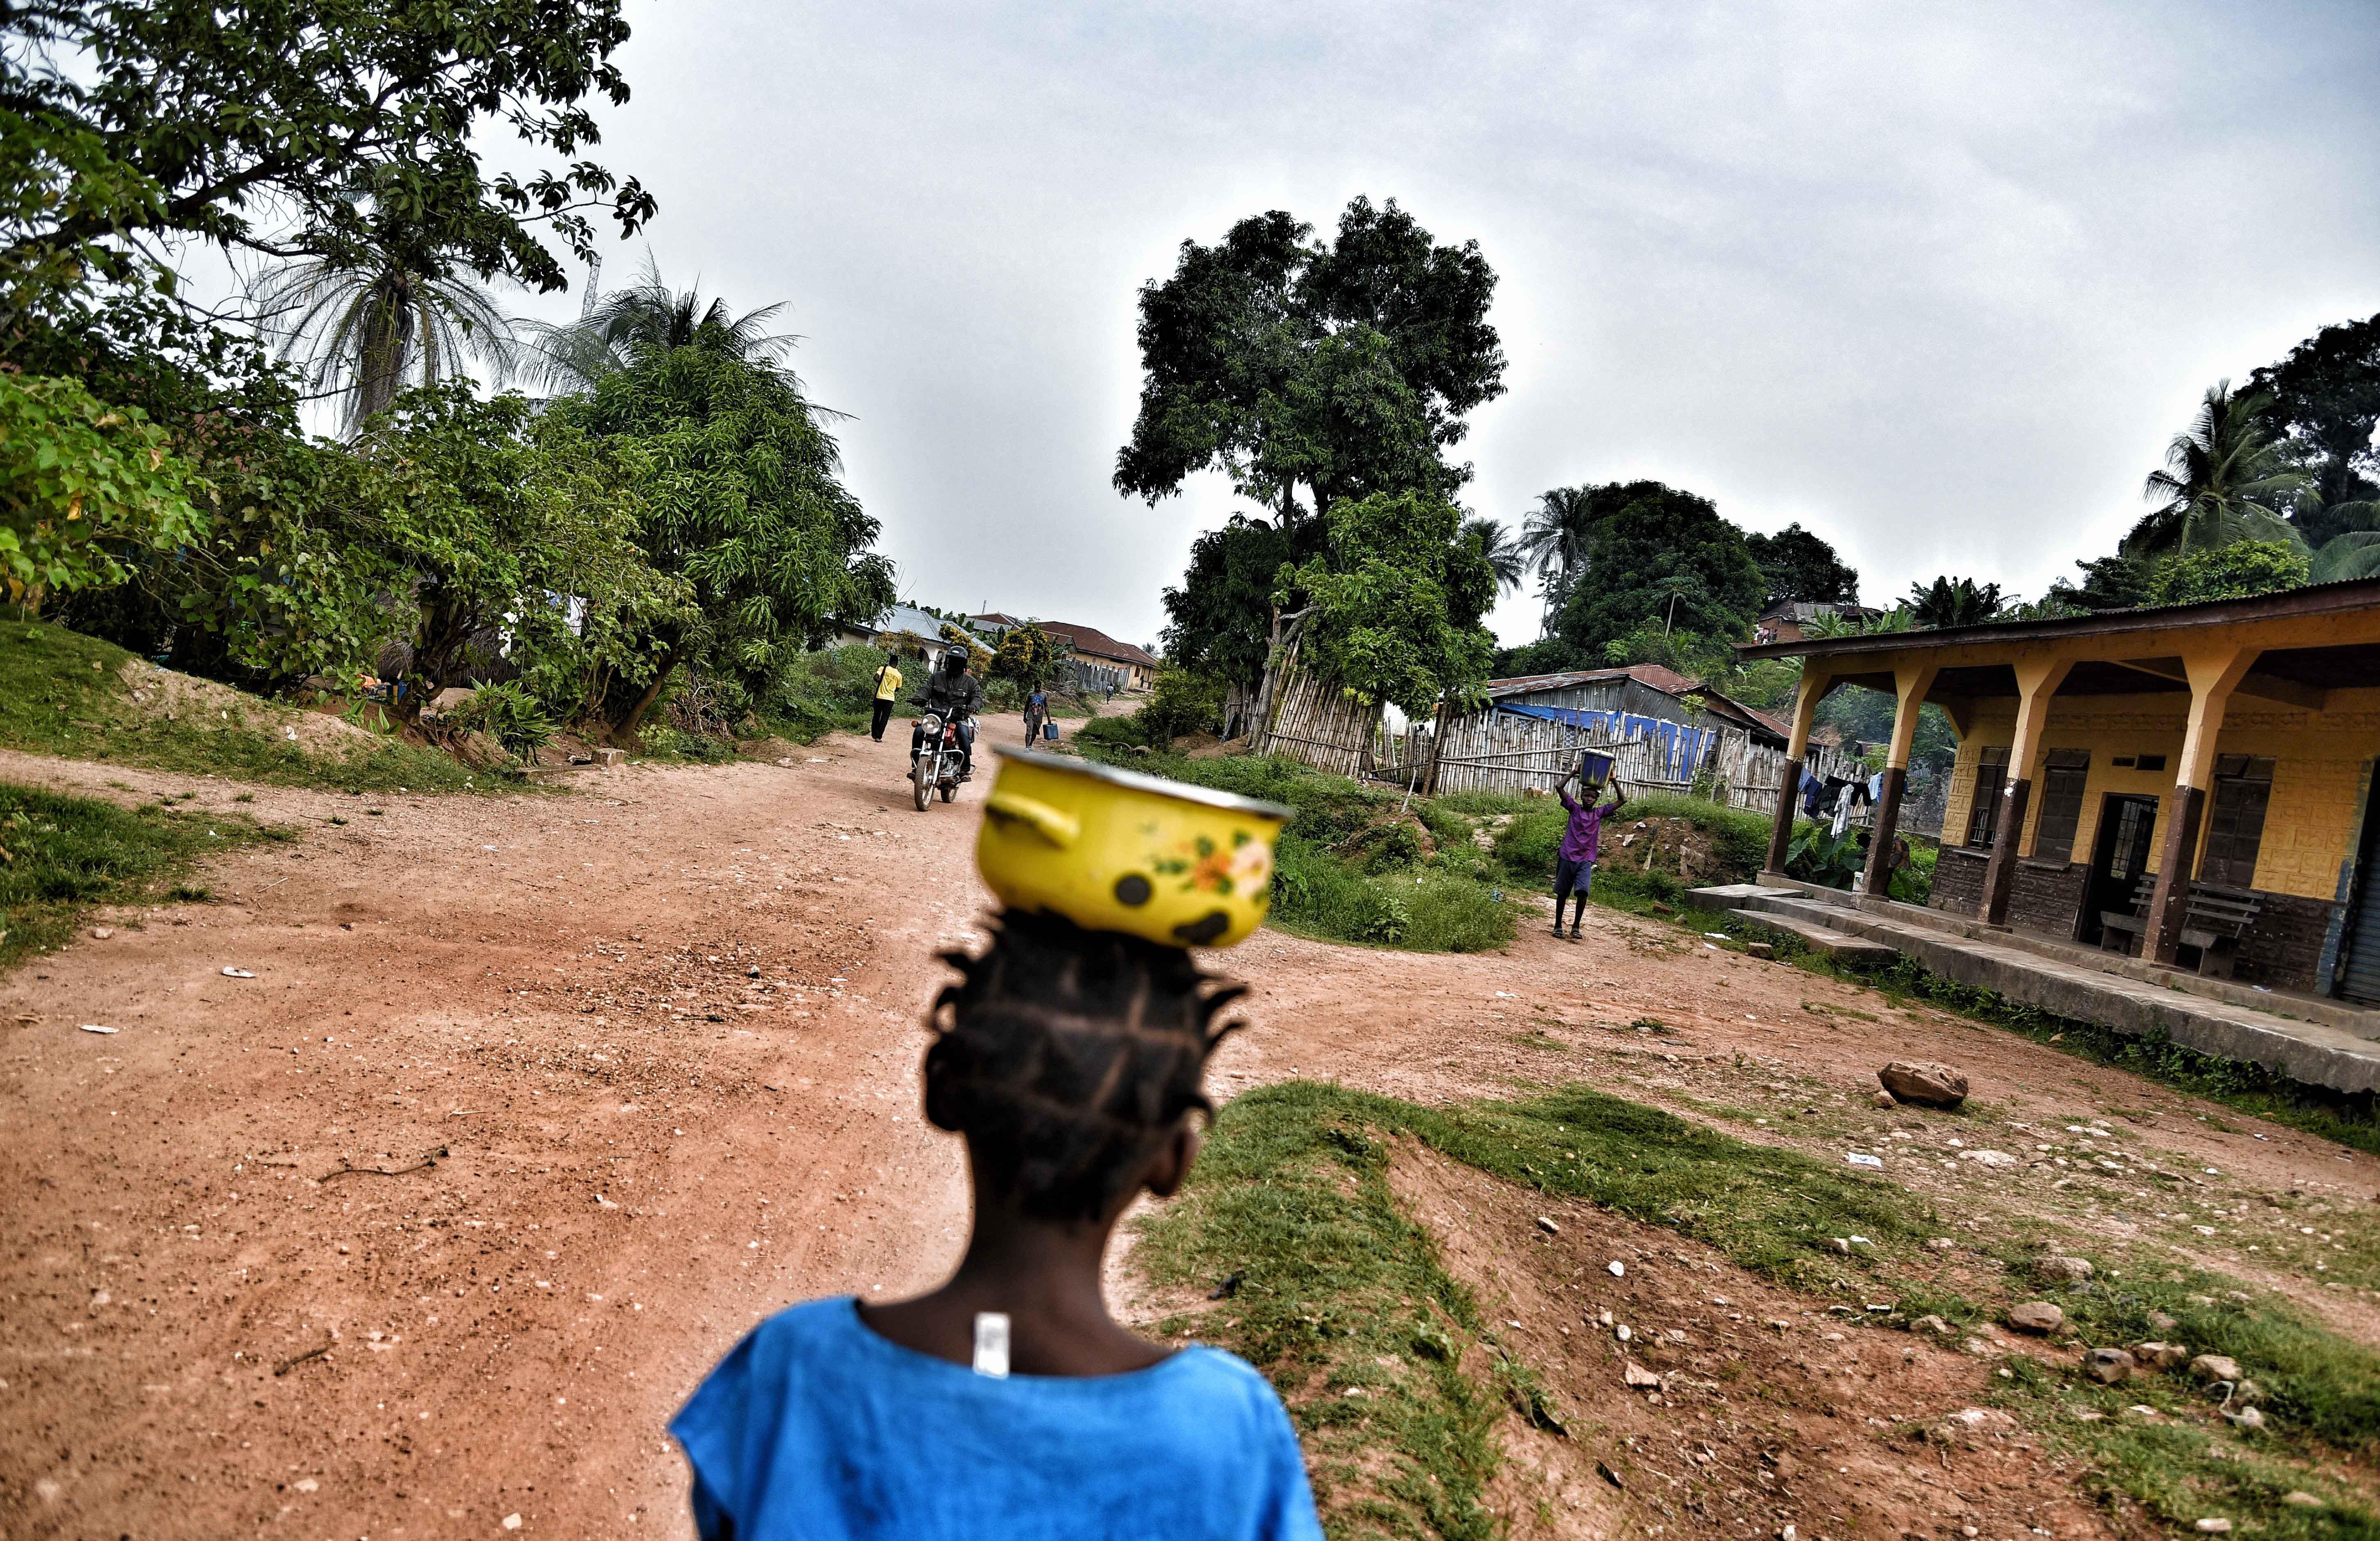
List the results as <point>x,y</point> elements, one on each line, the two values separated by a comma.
<point>1331,1288</point>
<point>61,694</point>
<point>64,855</point>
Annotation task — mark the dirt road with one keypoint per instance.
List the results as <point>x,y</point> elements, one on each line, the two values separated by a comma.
<point>658,1036</point>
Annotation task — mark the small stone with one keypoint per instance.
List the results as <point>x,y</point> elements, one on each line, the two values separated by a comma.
<point>1883,1099</point>
<point>2214,1366</point>
<point>101,933</point>
<point>2108,1366</point>
<point>1549,1227</point>
<point>306,1485</point>
<point>2214,1526</point>
<point>1989,1158</point>
<point>1760,949</point>
<point>1935,1086</point>
<point>2160,1322</point>
<point>1935,1325</point>
<point>1941,1243</point>
<point>1624,1332</point>
<point>1617,1268</point>
<point>512,1521</point>
<point>2036,1317</point>
<point>1603,1318</point>
<point>2070,1270</point>
<point>2300,1499</point>
<point>2246,1417</point>
<point>2158,1355</point>
<point>1638,1377</point>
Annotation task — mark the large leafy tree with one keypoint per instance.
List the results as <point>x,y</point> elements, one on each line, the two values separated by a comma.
<point>2326,399</point>
<point>1394,605</point>
<point>1663,558</point>
<point>1219,620</point>
<point>744,502</point>
<point>2224,480</point>
<point>1337,370</point>
<point>1797,565</point>
<point>333,130</point>
<point>84,488</point>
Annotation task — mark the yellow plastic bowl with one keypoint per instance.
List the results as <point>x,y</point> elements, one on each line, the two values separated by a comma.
<point>1113,851</point>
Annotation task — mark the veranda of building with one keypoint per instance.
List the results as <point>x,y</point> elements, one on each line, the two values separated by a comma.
<point>2229,745</point>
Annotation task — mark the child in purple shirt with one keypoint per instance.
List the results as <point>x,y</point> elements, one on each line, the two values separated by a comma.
<point>1574,864</point>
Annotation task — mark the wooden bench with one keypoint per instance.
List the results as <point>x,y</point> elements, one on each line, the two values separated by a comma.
<point>2217,918</point>
<point>2120,932</point>
<point>2214,923</point>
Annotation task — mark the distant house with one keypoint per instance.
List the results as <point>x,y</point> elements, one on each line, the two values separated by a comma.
<point>1643,692</point>
<point>902,628</point>
<point>1791,620</point>
<point>1101,660</point>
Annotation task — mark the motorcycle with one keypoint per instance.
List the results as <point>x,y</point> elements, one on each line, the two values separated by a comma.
<point>934,765</point>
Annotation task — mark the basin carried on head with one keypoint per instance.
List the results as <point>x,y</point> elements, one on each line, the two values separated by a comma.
<point>1114,851</point>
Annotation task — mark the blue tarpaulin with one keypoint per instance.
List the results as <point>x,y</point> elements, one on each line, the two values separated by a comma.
<point>1682,748</point>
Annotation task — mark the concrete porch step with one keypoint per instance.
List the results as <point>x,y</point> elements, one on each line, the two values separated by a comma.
<point>1840,945</point>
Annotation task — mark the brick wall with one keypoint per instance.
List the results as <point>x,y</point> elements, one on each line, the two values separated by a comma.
<point>2047,896</point>
<point>2284,946</point>
<point>1957,881</point>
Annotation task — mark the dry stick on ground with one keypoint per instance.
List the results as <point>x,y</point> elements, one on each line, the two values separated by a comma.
<point>288,1365</point>
<point>423,1165</point>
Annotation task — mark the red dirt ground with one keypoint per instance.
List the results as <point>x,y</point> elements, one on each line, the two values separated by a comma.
<point>665,1028</point>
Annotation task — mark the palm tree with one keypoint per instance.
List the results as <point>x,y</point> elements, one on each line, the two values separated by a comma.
<point>1496,547</point>
<point>615,329</point>
<point>1557,538</point>
<point>2222,482</point>
<point>1949,601</point>
<point>372,330</point>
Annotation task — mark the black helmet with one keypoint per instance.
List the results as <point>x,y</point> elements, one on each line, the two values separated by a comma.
<point>954,660</point>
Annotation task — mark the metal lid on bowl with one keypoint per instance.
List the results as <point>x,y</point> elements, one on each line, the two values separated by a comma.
<point>1186,791</point>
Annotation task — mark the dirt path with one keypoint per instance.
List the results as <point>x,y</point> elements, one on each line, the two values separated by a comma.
<point>665,1028</point>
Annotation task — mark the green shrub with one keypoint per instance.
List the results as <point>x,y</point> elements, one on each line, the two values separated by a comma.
<point>2233,572</point>
<point>1182,703</point>
<point>1113,739</point>
<point>832,689</point>
<point>1530,843</point>
<point>1738,836</point>
<point>511,716</point>
<point>666,743</point>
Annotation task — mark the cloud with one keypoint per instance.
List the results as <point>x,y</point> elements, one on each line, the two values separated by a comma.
<point>1936,282</point>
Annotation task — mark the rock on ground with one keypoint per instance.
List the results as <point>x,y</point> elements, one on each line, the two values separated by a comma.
<point>2035,1317</point>
<point>1922,1081</point>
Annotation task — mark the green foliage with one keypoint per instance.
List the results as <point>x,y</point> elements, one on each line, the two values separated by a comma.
<point>82,486</point>
<point>1797,565</point>
<point>2326,399</point>
<point>1218,622</point>
<point>2232,572</point>
<point>743,505</point>
<point>2226,480</point>
<point>1344,368</point>
<point>1395,608</point>
<point>60,856</point>
<point>1181,702</point>
<point>1820,856</point>
<point>143,123</point>
<point>2109,583</point>
<point>1027,657</point>
<point>511,716</point>
<point>53,701</point>
<point>1948,602</point>
<point>823,692</point>
<point>1661,558</point>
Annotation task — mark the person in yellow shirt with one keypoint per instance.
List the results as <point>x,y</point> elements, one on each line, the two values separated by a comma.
<point>888,690</point>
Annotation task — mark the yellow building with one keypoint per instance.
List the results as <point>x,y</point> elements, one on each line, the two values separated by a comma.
<point>2192,783</point>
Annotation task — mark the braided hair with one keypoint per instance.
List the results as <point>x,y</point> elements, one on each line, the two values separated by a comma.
<point>1067,1057</point>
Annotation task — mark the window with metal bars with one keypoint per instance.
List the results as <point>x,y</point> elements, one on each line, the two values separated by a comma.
<point>1984,813</point>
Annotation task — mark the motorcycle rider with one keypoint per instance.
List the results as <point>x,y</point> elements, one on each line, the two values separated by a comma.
<point>953,694</point>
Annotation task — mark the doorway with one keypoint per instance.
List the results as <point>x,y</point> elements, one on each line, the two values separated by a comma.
<point>2118,857</point>
<point>2359,973</point>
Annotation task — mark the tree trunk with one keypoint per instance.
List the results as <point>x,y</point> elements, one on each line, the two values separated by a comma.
<point>626,727</point>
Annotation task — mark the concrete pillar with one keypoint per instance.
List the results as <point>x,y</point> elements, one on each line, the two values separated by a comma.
<point>1909,685</point>
<point>2213,671</point>
<point>2037,680</point>
<point>1789,786</point>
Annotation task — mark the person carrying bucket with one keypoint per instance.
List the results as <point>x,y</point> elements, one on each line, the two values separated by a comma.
<point>1582,841</point>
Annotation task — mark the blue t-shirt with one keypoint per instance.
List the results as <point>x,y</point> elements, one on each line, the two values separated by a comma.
<point>815,1427</point>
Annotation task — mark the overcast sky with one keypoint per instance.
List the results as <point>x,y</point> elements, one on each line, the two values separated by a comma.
<point>1938,281</point>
